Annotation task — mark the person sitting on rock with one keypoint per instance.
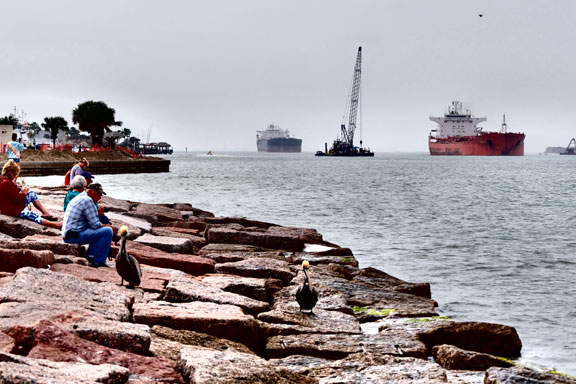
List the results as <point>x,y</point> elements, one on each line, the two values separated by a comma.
<point>77,169</point>
<point>14,201</point>
<point>77,186</point>
<point>82,225</point>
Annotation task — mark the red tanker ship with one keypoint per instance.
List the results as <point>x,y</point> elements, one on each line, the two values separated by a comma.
<point>457,134</point>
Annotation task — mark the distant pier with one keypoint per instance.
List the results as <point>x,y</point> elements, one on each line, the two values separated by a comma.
<point>97,167</point>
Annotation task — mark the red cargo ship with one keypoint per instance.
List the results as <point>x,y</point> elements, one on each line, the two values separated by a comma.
<point>457,134</point>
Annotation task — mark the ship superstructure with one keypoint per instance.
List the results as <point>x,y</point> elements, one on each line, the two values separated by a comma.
<point>458,134</point>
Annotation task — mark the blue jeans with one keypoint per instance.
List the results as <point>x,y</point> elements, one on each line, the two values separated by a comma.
<point>98,240</point>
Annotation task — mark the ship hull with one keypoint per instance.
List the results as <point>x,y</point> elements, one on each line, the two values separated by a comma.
<point>485,144</point>
<point>284,145</point>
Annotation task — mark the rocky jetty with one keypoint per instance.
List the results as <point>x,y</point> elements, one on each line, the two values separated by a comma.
<point>217,305</point>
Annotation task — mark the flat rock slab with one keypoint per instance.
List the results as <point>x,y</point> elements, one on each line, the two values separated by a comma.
<point>339,346</point>
<point>162,213</point>
<point>131,222</point>
<point>255,288</point>
<point>321,321</point>
<point>46,243</point>
<point>14,259</point>
<point>19,369</point>
<point>198,241</point>
<point>373,277</point>
<point>153,279</point>
<point>116,205</point>
<point>194,265</point>
<point>219,320</point>
<point>52,343</point>
<point>261,238</point>
<point>259,268</point>
<point>384,369</point>
<point>167,244</point>
<point>185,337</point>
<point>19,228</point>
<point>7,344</point>
<point>35,294</point>
<point>524,375</point>
<point>200,365</point>
<point>186,290</point>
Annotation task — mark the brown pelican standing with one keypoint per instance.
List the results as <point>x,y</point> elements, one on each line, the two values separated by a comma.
<point>306,296</point>
<point>126,265</point>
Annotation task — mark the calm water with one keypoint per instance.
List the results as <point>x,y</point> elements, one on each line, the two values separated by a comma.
<point>493,235</point>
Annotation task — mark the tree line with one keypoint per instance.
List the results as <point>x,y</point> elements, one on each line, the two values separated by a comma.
<point>94,117</point>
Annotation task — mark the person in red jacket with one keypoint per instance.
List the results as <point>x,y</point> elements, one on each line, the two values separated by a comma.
<point>14,201</point>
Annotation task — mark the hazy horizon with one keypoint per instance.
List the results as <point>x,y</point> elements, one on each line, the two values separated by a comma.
<point>207,76</point>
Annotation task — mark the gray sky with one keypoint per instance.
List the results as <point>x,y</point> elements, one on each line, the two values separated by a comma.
<point>209,74</point>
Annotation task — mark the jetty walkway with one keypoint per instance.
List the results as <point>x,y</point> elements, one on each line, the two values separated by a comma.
<point>217,305</point>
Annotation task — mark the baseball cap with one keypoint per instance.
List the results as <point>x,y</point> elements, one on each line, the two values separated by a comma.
<point>87,175</point>
<point>97,187</point>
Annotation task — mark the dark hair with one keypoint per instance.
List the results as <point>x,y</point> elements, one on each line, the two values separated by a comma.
<point>14,136</point>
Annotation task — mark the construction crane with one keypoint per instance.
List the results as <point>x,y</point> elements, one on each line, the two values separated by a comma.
<point>348,134</point>
<point>344,145</point>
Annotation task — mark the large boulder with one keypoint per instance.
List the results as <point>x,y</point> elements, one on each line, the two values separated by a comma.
<point>201,365</point>
<point>187,290</point>
<point>198,241</point>
<point>451,357</point>
<point>191,264</point>
<point>14,259</point>
<point>255,288</point>
<point>219,320</point>
<point>521,375</point>
<point>494,339</point>
<point>54,244</point>
<point>18,369</point>
<point>167,244</point>
<point>52,343</point>
<point>161,213</point>
<point>259,268</point>
<point>258,237</point>
<point>20,228</point>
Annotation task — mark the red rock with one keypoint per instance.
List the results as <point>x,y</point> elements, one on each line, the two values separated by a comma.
<point>7,343</point>
<point>191,264</point>
<point>52,343</point>
<point>219,320</point>
<point>13,259</point>
<point>20,228</point>
<point>451,357</point>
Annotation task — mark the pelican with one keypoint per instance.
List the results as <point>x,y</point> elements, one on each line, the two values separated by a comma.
<point>126,265</point>
<point>306,296</point>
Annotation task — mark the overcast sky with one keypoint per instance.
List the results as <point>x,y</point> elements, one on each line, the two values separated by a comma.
<point>207,75</point>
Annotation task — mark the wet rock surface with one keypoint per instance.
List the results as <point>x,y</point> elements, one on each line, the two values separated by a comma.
<point>222,289</point>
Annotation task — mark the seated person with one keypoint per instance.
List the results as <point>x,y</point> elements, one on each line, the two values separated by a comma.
<point>14,201</point>
<point>82,226</point>
<point>88,176</point>
<point>77,169</point>
<point>77,186</point>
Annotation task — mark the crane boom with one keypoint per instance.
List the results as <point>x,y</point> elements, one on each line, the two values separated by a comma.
<point>348,134</point>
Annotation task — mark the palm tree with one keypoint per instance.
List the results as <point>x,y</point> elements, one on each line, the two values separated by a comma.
<point>55,124</point>
<point>95,117</point>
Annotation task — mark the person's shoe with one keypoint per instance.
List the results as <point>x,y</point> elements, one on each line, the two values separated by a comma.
<point>102,265</point>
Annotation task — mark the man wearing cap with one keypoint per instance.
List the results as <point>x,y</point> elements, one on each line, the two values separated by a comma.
<point>82,226</point>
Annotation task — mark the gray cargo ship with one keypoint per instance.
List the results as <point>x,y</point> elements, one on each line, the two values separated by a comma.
<point>274,139</point>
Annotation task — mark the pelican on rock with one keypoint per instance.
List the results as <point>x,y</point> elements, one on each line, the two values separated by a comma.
<point>306,296</point>
<point>126,265</point>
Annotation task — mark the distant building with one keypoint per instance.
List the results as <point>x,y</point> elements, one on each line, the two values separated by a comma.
<point>5,136</point>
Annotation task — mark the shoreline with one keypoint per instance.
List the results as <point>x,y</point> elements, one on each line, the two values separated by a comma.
<point>264,260</point>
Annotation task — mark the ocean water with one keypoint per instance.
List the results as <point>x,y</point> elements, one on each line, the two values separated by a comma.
<point>494,236</point>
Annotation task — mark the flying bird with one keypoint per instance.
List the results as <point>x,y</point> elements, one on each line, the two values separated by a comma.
<point>306,296</point>
<point>480,15</point>
<point>126,265</point>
